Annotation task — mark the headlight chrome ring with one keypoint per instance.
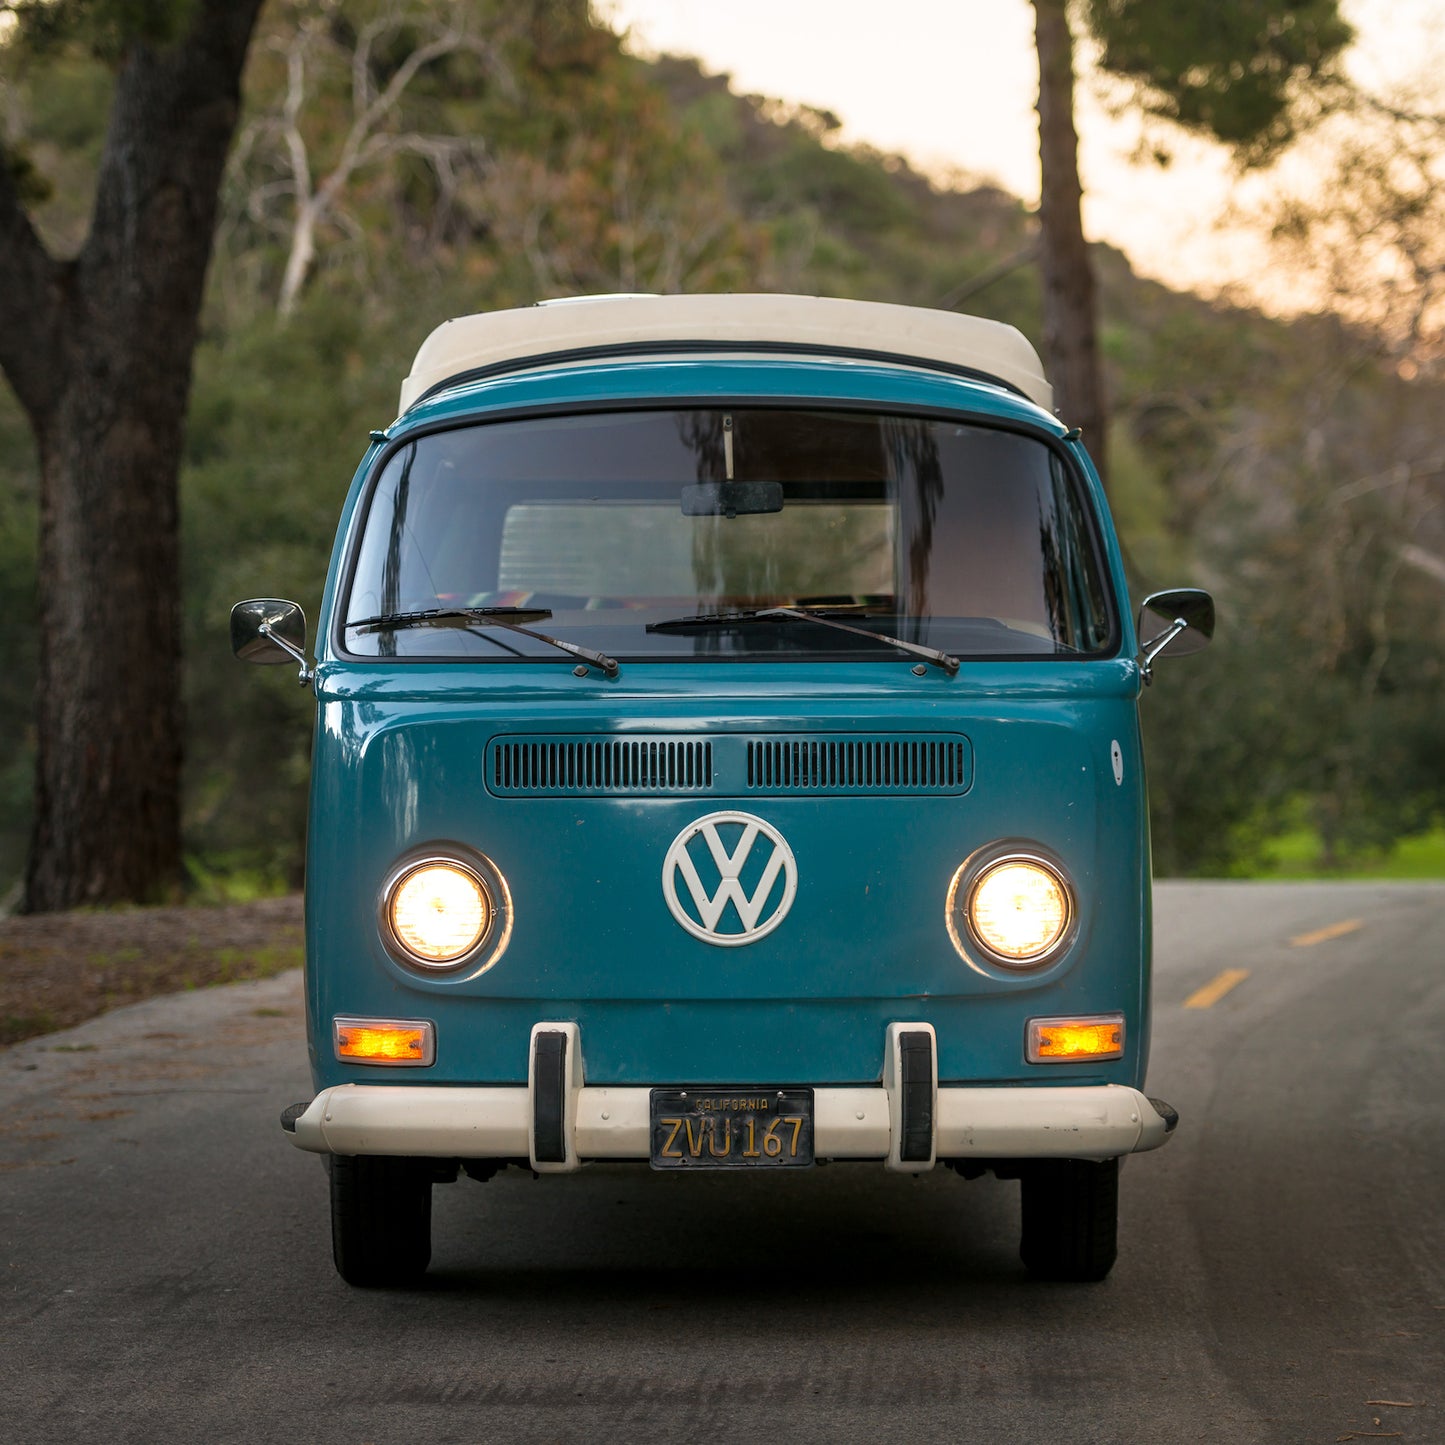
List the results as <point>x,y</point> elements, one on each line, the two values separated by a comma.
<point>1011,906</point>
<point>441,910</point>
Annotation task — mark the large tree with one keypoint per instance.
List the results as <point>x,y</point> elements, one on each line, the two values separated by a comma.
<point>1071,346</point>
<point>1244,72</point>
<point>98,349</point>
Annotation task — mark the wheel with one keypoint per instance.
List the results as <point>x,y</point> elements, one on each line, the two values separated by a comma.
<point>1070,1218</point>
<point>380,1218</point>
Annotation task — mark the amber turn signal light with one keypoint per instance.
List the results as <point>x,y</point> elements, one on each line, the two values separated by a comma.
<point>385,1041</point>
<point>1064,1041</point>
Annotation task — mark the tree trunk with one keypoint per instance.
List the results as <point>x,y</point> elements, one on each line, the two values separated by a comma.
<point>1071,351</point>
<point>108,755</point>
<point>99,352</point>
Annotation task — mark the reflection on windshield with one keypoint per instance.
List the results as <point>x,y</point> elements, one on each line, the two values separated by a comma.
<point>391,569</point>
<point>915,457</point>
<point>956,536</point>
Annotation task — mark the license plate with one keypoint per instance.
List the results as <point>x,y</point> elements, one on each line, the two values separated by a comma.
<point>732,1128</point>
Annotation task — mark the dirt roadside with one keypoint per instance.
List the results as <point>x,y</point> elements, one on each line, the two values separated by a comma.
<point>59,969</point>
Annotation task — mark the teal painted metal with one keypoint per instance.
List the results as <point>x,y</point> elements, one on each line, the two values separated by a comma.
<point>405,755</point>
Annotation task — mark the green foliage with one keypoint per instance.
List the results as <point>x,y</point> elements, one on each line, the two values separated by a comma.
<point>30,184</point>
<point>105,28</point>
<point>233,878</point>
<point>1247,454</point>
<point>1236,70</point>
<point>61,101</point>
<point>1219,780</point>
<point>69,106</point>
<point>1291,473</point>
<point>1296,855</point>
<point>1140,503</point>
<point>279,419</point>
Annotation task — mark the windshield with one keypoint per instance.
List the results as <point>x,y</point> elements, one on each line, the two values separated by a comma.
<point>953,535</point>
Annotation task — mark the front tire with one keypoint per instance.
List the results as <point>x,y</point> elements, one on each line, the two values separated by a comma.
<point>1070,1218</point>
<point>380,1219</point>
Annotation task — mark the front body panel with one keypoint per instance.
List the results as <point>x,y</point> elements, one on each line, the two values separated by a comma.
<point>1046,752</point>
<point>864,942</point>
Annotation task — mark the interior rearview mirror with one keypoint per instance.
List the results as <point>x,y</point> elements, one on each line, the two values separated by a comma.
<point>731,499</point>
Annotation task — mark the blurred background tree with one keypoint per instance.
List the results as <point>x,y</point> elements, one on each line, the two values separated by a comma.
<point>96,341</point>
<point>1247,74</point>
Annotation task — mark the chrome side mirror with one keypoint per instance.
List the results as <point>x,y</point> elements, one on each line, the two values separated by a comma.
<point>270,630</point>
<point>1187,615</point>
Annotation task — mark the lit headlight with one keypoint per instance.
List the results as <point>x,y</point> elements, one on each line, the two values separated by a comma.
<point>439,912</point>
<point>1019,909</point>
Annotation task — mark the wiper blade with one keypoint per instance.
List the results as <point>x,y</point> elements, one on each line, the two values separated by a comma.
<point>944,660</point>
<point>509,618</point>
<point>751,614</point>
<point>704,619</point>
<point>434,614</point>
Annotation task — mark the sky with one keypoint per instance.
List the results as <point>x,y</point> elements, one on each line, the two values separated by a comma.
<point>951,85</point>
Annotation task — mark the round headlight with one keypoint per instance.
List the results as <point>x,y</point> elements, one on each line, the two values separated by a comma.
<point>439,912</point>
<point>1019,909</point>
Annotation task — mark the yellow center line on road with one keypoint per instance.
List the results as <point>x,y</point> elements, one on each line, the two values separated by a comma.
<point>1215,990</point>
<point>1323,935</point>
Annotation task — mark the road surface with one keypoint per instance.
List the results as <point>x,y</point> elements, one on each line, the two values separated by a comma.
<point>1282,1262</point>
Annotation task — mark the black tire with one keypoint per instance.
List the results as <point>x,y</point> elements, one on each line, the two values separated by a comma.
<point>380,1219</point>
<point>1070,1218</point>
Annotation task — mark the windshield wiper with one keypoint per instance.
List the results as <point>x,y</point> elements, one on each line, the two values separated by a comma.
<point>510,618</point>
<point>944,660</point>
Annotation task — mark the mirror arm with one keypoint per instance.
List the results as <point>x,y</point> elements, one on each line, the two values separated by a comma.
<point>306,673</point>
<point>1153,648</point>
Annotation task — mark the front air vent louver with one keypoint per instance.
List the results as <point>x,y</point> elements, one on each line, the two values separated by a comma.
<point>599,767</point>
<point>729,765</point>
<point>897,764</point>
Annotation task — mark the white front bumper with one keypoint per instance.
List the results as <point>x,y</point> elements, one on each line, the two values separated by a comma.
<point>1044,1122</point>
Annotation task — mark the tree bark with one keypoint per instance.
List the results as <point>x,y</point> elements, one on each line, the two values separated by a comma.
<point>1071,350</point>
<point>99,351</point>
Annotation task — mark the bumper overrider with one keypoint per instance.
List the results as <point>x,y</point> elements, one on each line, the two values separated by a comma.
<point>557,1122</point>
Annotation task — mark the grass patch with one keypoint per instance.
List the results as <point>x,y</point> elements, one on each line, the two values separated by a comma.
<point>58,969</point>
<point>1296,855</point>
<point>233,965</point>
<point>14,1027</point>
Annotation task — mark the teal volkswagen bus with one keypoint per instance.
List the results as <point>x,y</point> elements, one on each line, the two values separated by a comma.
<point>727,757</point>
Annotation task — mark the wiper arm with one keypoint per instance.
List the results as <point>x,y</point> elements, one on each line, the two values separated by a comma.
<point>510,618</point>
<point>944,660</point>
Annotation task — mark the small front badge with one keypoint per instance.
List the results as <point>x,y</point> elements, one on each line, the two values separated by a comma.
<point>750,872</point>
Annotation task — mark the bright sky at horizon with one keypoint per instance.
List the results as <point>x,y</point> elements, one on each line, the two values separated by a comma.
<point>963,102</point>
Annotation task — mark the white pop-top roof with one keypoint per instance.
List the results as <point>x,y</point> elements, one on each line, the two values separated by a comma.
<point>554,328</point>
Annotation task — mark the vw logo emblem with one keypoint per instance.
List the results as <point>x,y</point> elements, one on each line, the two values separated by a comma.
<point>755,873</point>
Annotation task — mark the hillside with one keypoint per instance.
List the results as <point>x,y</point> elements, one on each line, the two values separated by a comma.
<point>1280,464</point>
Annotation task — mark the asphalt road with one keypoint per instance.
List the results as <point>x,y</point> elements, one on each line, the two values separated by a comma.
<point>167,1272</point>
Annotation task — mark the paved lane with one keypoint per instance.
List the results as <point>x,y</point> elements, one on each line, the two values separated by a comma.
<point>1307,1202</point>
<point>166,1268</point>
